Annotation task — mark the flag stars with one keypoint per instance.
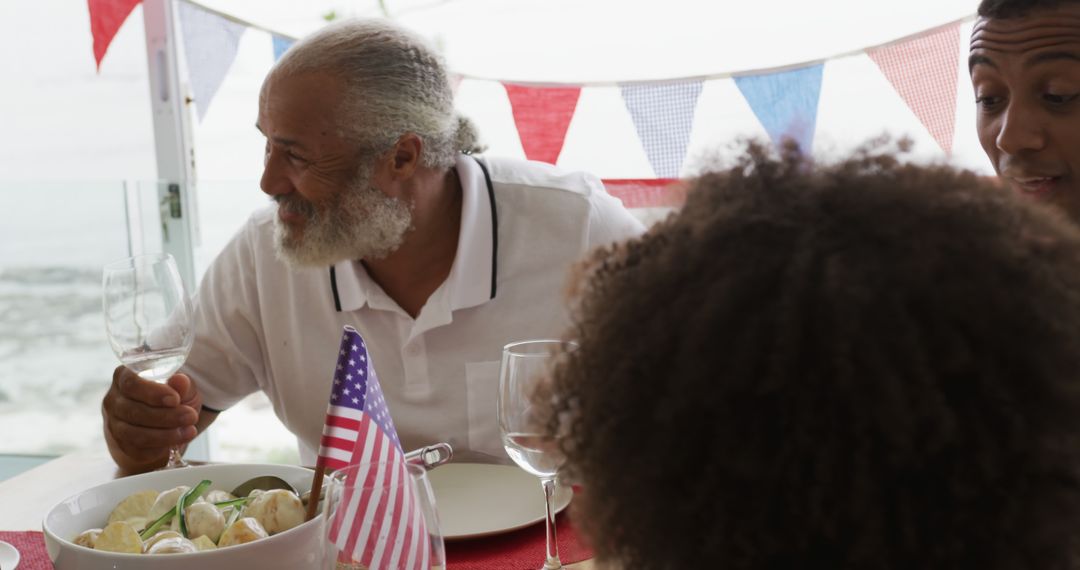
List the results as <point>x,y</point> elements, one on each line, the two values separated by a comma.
<point>355,386</point>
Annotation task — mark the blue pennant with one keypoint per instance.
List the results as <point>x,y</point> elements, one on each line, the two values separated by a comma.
<point>281,45</point>
<point>786,103</point>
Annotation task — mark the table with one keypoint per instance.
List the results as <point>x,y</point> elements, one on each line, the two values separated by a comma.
<point>25,498</point>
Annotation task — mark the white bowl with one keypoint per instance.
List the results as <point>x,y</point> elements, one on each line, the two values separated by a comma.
<point>299,547</point>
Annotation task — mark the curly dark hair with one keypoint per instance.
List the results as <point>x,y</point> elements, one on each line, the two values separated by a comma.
<point>1017,8</point>
<point>864,365</point>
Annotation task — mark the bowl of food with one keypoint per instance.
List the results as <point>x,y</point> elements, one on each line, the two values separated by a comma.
<point>207,517</point>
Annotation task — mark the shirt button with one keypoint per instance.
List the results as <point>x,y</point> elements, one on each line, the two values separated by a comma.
<point>413,351</point>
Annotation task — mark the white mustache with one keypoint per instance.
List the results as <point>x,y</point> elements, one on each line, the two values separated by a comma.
<point>295,205</point>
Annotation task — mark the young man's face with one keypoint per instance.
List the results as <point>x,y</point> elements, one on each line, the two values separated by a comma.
<point>1026,75</point>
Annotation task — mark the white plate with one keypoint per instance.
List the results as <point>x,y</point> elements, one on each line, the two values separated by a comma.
<point>477,500</point>
<point>9,557</point>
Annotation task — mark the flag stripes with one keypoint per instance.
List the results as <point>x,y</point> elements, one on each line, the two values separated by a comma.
<point>374,518</point>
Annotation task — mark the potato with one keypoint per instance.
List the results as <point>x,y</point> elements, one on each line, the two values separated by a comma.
<point>242,531</point>
<point>277,510</point>
<point>173,545</point>
<point>165,501</point>
<point>135,506</point>
<point>87,538</point>
<point>203,543</point>
<point>219,496</point>
<point>138,523</point>
<point>119,537</point>
<point>204,519</point>
<point>161,535</point>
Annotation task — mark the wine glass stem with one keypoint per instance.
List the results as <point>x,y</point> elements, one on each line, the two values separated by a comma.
<point>552,562</point>
<point>176,459</point>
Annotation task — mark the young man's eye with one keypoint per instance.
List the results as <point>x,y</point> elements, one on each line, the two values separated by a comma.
<point>1059,99</point>
<point>987,102</point>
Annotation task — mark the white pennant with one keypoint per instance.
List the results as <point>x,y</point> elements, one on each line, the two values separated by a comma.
<point>210,44</point>
<point>663,115</point>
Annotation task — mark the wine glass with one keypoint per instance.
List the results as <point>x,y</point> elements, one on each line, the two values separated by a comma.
<point>525,368</point>
<point>148,319</point>
<point>381,515</point>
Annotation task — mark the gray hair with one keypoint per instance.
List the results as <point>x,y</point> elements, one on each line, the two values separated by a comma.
<point>395,83</point>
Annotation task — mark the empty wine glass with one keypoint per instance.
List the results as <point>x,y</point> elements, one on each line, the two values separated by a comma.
<point>148,319</point>
<point>525,367</point>
<point>382,515</point>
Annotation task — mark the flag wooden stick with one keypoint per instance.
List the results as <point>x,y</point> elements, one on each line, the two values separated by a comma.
<point>316,489</point>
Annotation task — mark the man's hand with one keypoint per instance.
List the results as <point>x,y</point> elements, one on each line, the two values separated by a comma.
<point>143,418</point>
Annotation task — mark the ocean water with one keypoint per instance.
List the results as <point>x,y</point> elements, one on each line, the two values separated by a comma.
<point>55,362</point>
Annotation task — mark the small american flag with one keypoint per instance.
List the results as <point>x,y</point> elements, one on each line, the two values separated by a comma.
<point>378,522</point>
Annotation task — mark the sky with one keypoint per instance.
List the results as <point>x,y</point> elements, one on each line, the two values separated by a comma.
<point>63,120</point>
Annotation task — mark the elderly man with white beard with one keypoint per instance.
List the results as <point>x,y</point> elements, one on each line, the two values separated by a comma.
<point>384,220</point>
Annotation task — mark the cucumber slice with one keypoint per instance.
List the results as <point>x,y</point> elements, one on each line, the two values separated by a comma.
<point>157,524</point>
<point>232,503</point>
<point>186,500</point>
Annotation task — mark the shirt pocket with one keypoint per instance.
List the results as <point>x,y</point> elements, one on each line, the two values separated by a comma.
<point>482,386</point>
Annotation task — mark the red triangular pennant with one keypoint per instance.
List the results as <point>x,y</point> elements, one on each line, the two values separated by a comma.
<point>542,115</point>
<point>923,71</point>
<point>106,17</point>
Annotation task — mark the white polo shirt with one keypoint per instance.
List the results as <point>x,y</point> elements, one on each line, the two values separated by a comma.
<point>262,325</point>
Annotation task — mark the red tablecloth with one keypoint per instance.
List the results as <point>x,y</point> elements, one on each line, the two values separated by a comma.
<point>31,547</point>
<point>522,549</point>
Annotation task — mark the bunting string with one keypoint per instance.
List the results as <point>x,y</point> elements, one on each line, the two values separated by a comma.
<point>921,68</point>
<point>237,20</point>
<point>729,74</point>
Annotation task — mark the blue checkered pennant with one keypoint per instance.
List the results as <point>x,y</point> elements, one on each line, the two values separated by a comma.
<point>281,45</point>
<point>786,103</point>
<point>663,115</point>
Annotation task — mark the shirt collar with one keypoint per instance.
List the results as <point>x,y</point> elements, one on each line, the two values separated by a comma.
<point>471,281</point>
